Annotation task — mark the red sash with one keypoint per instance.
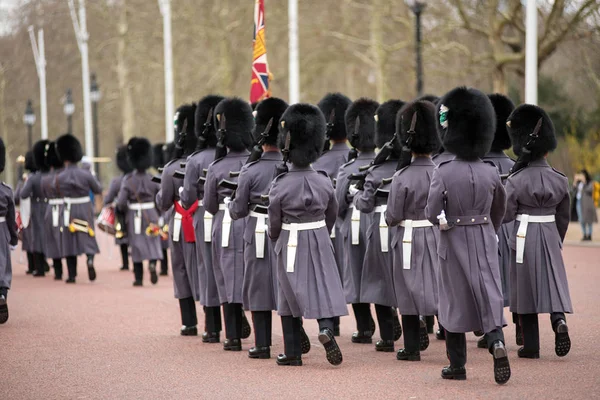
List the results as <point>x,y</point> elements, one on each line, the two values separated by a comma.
<point>187,221</point>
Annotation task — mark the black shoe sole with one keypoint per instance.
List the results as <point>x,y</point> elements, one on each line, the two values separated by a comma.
<point>362,340</point>
<point>460,377</point>
<point>410,357</point>
<point>189,333</point>
<point>232,348</point>
<point>304,341</point>
<point>3,312</point>
<point>138,284</point>
<point>423,339</point>
<point>332,350</point>
<point>246,329</point>
<point>153,276</point>
<point>70,281</point>
<point>482,344</point>
<point>293,363</point>
<point>501,366</point>
<point>92,274</point>
<point>259,356</point>
<point>562,342</point>
<point>211,340</point>
<point>124,269</point>
<point>385,349</point>
<point>532,356</point>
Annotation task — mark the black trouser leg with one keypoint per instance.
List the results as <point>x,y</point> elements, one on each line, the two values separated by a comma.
<point>496,335</point>
<point>212,319</point>
<point>164,264</point>
<point>326,323</point>
<point>362,314</point>
<point>40,264</point>
<point>291,335</point>
<point>187,307</point>
<point>262,321</point>
<point>336,322</point>
<point>58,268</point>
<point>72,266</point>
<point>555,317</point>
<point>233,320</point>
<point>429,320</point>
<point>125,256</point>
<point>4,292</point>
<point>531,332</point>
<point>138,271</point>
<point>385,319</point>
<point>456,346</point>
<point>30,263</point>
<point>410,328</point>
<point>90,260</point>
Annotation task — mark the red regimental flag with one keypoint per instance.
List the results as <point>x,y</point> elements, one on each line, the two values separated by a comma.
<point>259,85</point>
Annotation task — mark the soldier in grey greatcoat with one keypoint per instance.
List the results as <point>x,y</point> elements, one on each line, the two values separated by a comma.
<point>467,200</point>
<point>354,224</point>
<point>111,197</point>
<point>302,213</point>
<point>538,199</point>
<point>233,117</point>
<point>181,228</point>
<point>28,231</point>
<point>9,234</point>
<point>415,265</point>
<point>159,161</point>
<point>75,185</point>
<point>137,199</point>
<point>193,193</point>
<point>376,281</point>
<point>335,154</point>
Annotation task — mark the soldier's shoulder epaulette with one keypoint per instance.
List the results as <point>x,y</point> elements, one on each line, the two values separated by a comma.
<point>320,171</point>
<point>516,173</point>
<point>194,153</point>
<point>444,163</point>
<point>558,172</point>
<point>170,162</point>
<point>349,162</point>
<point>490,162</point>
<point>215,162</point>
<point>248,165</point>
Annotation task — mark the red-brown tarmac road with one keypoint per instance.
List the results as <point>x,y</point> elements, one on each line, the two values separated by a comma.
<point>109,340</point>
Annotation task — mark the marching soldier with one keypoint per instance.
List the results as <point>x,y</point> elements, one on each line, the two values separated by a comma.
<point>259,291</point>
<point>9,234</point>
<point>467,200</point>
<point>354,225</point>
<point>193,193</point>
<point>158,161</point>
<point>137,198</point>
<point>235,122</point>
<point>538,199</point>
<point>181,228</point>
<point>27,234</point>
<point>75,185</point>
<point>302,212</point>
<point>376,282</point>
<point>415,264</point>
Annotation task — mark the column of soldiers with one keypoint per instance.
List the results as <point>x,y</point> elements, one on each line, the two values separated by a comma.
<point>273,210</point>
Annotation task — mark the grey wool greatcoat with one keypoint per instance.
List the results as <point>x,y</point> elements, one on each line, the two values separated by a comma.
<point>330,162</point>
<point>504,164</point>
<point>75,182</point>
<point>137,187</point>
<point>52,228</point>
<point>416,287</point>
<point>111,196</point>
<point>192,192</point>
<point>314,289</point>
<point>8,234</point>
<point>376,281</point>
<point>27,233</point>
<point>442,157</point>
<point>32,189</point>
<point>260,274</point>
<point>539,284</point>
<point>470,289</point>
<point>354,254</point>
<point>228,262</point>
<point>183,254</point>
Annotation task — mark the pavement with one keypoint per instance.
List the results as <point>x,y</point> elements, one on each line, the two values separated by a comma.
<point>109,340</point>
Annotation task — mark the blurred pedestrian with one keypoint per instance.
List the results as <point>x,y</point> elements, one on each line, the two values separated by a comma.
<point>583,188</point>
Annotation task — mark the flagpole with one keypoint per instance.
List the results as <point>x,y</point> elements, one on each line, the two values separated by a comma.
<point>294,66</point>
<point>165,9</point>
<point>531,53</point>
<point>39,54</point>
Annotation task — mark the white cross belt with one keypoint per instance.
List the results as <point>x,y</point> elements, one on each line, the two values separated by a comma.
<point>226,227</point>
<point>409,225</point>
<point>383,228</point>
<point>293,239</point>
<point>355,225</point>
<point>527,219</point>
<point>259,233</point>
<point>68,202</point>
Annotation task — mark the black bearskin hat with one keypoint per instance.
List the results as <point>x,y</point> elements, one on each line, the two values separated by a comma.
<point>168,152</point>
<point>364,109</point>
<point>430,98</point>
<point>69,149</point>
<point>204,106</point>
<point>139,153</point>
<point>271,107</point>
<point>186,113</point>
<point>339,103</point>
<point>2,155</point>
<point>39,150</point>
<point>521,123</point>
<point>466,122</point>
<point>385,121</point>
<point>503,106</point>
<point>122,160</point>
<point>157,155</point>
<point>30,162</point>
<point>425,139</point>
<point>239,122</point>
<point>52,159</point>
<point>306,125</point>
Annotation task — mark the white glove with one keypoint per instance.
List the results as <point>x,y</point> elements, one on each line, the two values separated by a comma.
<point>180,190</point>
<point>352,190</point>
<point>227,200</point>
<point>161,221</point>
<point>13,248</point>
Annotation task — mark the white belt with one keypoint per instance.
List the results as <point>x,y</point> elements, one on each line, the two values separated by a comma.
<point>137,218</point>
<point>176,224</point>
<point>409,225</point>
<point>141,206</point>
<point>355,225</point>
<point>293,239</point>
<point>259,233</point>
<point>2,219</point>
<point>56,203</point>
<point>383,228</point>
<point>526,219</point>
<point>69,201</point>
<point>226,227</point>
<point>208,218</point>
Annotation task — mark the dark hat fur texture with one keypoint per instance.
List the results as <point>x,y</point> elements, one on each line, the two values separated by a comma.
<point>430,98</point>
<point>30,162</point>
<point>157,155</point>
<point>69,149</point>
<point>272,107</point>
<point>364,109</point>
<point>339,103</point>
<point>39,151</point>
<point>139,153</point>
<point>123,160</point>
<point>2,155</point>
<point>466,122</point>
<point>52,159</point>
<point>521,124</point>
<point>239,122</point>
<point>186,113</point>
<point>306,125</point>
<point>204,106</point>
<point>385,121</point>
<point>425,139</point>
<point>503,106</point>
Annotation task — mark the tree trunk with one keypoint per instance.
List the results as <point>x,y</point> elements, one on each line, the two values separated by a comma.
<point>499,80</point>
<point>127,111</point>
<point>379,54</point>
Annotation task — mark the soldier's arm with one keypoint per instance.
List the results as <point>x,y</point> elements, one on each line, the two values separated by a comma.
<point>190,184</point>
<point>274,213</point>
<point>364,200</point>
<point>165,197</point>
<point>435,198</point>
<point>27,188</point>
<point>239,206</point>
<point>341,192</point>
<point>512,201</point>
<point>113,190</point>
<point>563,214</point>
<point>211,194</point>
<point>11,222</point>
<point>332,210</point>
<point>123,196</point>
<point>395,203</point>
<point>498,208</point>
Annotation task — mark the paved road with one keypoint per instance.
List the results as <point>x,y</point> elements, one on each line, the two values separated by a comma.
<point>108,340</point>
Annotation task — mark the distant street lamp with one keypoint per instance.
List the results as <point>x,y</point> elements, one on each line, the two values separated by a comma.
<point>69,109</point>
<point>417,8</point>
<point>29,120</point>
<point>95,96</point>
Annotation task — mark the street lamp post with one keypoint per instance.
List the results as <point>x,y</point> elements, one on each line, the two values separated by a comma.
<point>95,96</point>
<point>29,120</point>
<point>69,109</point>
<point>417,8</point>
